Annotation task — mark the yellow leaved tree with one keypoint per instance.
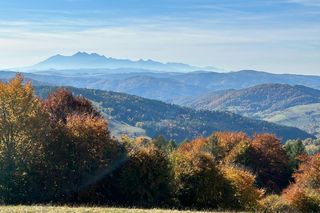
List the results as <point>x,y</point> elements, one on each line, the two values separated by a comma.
<point>23,129</point>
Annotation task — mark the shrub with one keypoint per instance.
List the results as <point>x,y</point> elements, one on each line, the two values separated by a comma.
<point>303,199</point>
<point>275,203</point>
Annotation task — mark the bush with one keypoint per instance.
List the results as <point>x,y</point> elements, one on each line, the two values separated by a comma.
<point>275,203</point>
<point>303,199</point>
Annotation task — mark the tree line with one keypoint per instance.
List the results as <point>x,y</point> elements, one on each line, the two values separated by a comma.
<point>59,150</point>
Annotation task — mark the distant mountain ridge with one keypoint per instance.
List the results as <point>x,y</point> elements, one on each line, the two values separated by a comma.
<point>83,60</point>
<point>164,86</point>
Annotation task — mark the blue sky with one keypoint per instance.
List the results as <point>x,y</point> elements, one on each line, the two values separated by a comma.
<point>280,36</point>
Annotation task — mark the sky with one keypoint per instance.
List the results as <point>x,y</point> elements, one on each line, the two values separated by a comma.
<point>279,36</point>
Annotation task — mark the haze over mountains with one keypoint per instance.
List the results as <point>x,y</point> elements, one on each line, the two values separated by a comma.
<point>150,79</point>
<point>286,99</point>
<point>83,60</point>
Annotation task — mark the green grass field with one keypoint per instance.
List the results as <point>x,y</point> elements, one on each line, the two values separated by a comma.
<point>53,209</point>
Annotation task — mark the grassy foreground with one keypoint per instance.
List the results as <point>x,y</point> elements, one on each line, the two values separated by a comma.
<point>53,209</point>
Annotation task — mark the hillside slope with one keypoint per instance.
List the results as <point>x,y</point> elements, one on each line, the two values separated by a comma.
<point>261,99</point>
<point>172,121</point>
<point>306,117</point>
<point>296,106</point>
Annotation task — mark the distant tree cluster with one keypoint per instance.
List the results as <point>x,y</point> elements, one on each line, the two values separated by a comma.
<point>59,150</point>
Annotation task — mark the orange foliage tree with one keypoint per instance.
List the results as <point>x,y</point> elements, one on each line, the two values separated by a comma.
<point>269,162</point>
<point>61,103</point>
<point>81,151</point>
<point>231,146</point>
<point>304,194</point>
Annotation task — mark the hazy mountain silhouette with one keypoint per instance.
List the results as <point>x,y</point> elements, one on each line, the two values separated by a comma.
<point>83,60</point>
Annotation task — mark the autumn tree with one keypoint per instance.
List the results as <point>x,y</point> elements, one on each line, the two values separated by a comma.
<point>263,155</point>
<point>231,147</point>
<point>268,160</point>
<point>304,193</point>
<point>81,151</point>
<point>243,182</point>
<point>144,179</point>
<point>199,183</point>
<point>61,103</point>
<point>23,132</point>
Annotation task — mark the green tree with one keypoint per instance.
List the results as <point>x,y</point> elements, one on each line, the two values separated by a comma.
<point>294,149</point>
<point>161,143</point>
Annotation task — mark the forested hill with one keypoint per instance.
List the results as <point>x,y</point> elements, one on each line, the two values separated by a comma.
<point>172,121</point>
<point>265,98</point>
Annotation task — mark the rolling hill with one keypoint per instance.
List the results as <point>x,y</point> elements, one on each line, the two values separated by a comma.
<point>257,100</point>
<point>284,104</point>
<point>153,118</point>
<point>164,86</point>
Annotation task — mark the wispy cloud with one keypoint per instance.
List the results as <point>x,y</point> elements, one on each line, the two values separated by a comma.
<point>306,2</point>
<point>271,35</point>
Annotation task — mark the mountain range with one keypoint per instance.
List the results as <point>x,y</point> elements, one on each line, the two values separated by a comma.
<point>83,60</point>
